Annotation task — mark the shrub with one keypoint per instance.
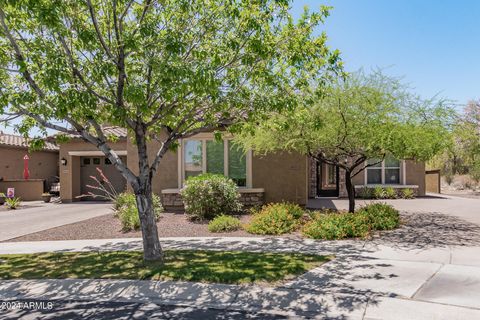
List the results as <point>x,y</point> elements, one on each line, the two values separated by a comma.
<point>209,195</point>
<point>390,193</point>
<point>126,210</point>
<point>276,218</point>
<point>407,193</point>
<point>224,223</point>
<point>12,203</point>
<point>365,193</point>
<point>380,216</point>
<point>378,193</point>
<point>340,225</point>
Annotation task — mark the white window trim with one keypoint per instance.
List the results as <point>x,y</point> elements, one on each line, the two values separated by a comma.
<point>204,137</point>
<point>401,167</point>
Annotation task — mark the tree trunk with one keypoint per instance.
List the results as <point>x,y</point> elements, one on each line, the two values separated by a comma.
<point>350,191</point>
<point>152,250</point>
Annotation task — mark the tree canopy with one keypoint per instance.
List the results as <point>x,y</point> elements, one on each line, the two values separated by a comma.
<point>175,66</point>
<point>354,120</point>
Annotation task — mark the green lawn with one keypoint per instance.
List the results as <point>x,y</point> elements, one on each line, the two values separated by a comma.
<point>188,265</point>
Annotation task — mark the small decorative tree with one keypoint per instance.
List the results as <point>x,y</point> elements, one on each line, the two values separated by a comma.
<point>354,124</point>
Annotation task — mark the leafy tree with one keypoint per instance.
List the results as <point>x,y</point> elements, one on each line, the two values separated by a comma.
<point>355,123</point>
<point>176,67</point>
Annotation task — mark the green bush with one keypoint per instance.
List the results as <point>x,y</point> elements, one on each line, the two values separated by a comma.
<point>331,226</point>
<point>381,216</point>
<point>13,203</point>
<point>365,193</point>
<point>407,193</point>
<point>126,210</point>
<point>224,223</point>
<point>340,225</point>
<point>378,193</point>
<point>390,193</point>
<point>209,195</point>
<point>276,218</point>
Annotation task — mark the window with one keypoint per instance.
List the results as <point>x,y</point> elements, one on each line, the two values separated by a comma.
<point>331,175</point>
<point>237,165</point>
<point>212,156</point>
<point>96,160</point>
<point>193,158</point>
<point>392,170</point>
<point>107,161</point>
<point>86,161</point>
<point>383,172</point>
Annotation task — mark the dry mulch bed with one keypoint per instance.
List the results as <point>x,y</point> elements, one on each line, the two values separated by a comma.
<point>109,227</point>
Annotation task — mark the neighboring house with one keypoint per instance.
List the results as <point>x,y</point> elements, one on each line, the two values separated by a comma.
<point>43,166</point>
<point>273,177</point>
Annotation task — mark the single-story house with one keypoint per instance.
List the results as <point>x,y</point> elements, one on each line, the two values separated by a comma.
<point>42,164</point>
<point>273,177</point>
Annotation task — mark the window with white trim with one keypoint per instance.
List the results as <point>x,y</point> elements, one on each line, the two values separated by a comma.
<point>383,172</point>
<point>212,156</point>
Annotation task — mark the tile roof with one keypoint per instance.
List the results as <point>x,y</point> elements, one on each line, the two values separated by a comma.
<point>116,131</point>
<point>20,141</point>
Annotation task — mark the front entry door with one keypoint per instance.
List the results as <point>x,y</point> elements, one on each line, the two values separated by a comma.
<point>327,180</point>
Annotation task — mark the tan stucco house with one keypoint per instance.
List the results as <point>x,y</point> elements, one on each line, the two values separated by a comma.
<point>43,166</point>
<point>275,177</point>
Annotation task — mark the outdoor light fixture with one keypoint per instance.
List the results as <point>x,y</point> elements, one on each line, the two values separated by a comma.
<point>63,161</point>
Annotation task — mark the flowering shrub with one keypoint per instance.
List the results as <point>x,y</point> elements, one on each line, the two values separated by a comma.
<point>209,195</point>
<point>276,218</point>
<point>340,225</point>
<point>380,216</point>
<point>125,207</point>
<point>101,188</point>
<point>224,224</point>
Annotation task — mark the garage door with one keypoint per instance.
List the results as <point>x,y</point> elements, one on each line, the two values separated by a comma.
<point>88,168</point>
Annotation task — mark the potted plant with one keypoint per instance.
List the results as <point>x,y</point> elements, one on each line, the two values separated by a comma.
<point>46,197</point>
<point>2,198</point>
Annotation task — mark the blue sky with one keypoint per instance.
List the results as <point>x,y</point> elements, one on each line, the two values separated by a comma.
<point>433,44</point>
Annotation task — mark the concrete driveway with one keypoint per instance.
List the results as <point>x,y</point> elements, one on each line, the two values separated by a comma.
<point>38,216</point>
<point>466,209</point>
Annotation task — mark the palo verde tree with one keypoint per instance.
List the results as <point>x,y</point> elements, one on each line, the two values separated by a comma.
<point>176,67</point>
<point>353,124</point>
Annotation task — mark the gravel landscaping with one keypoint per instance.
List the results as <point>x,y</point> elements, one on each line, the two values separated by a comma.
<point>109,227</point>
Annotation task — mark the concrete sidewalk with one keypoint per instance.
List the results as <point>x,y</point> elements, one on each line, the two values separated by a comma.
<point>366,280</point>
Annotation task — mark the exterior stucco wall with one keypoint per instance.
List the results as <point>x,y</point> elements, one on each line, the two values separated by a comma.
<point>283,176</point>
<point>42,164</point>
<point>70,185</point>
<point>166,176</point>
<point>415,175</point>
<point>27,190</point>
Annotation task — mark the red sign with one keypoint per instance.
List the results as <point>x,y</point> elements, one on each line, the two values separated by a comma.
<point>26,172</point>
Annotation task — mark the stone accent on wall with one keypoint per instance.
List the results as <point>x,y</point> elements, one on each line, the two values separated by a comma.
<point>312,180</point>
<point>171,199</point>
<point>342,187</point>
